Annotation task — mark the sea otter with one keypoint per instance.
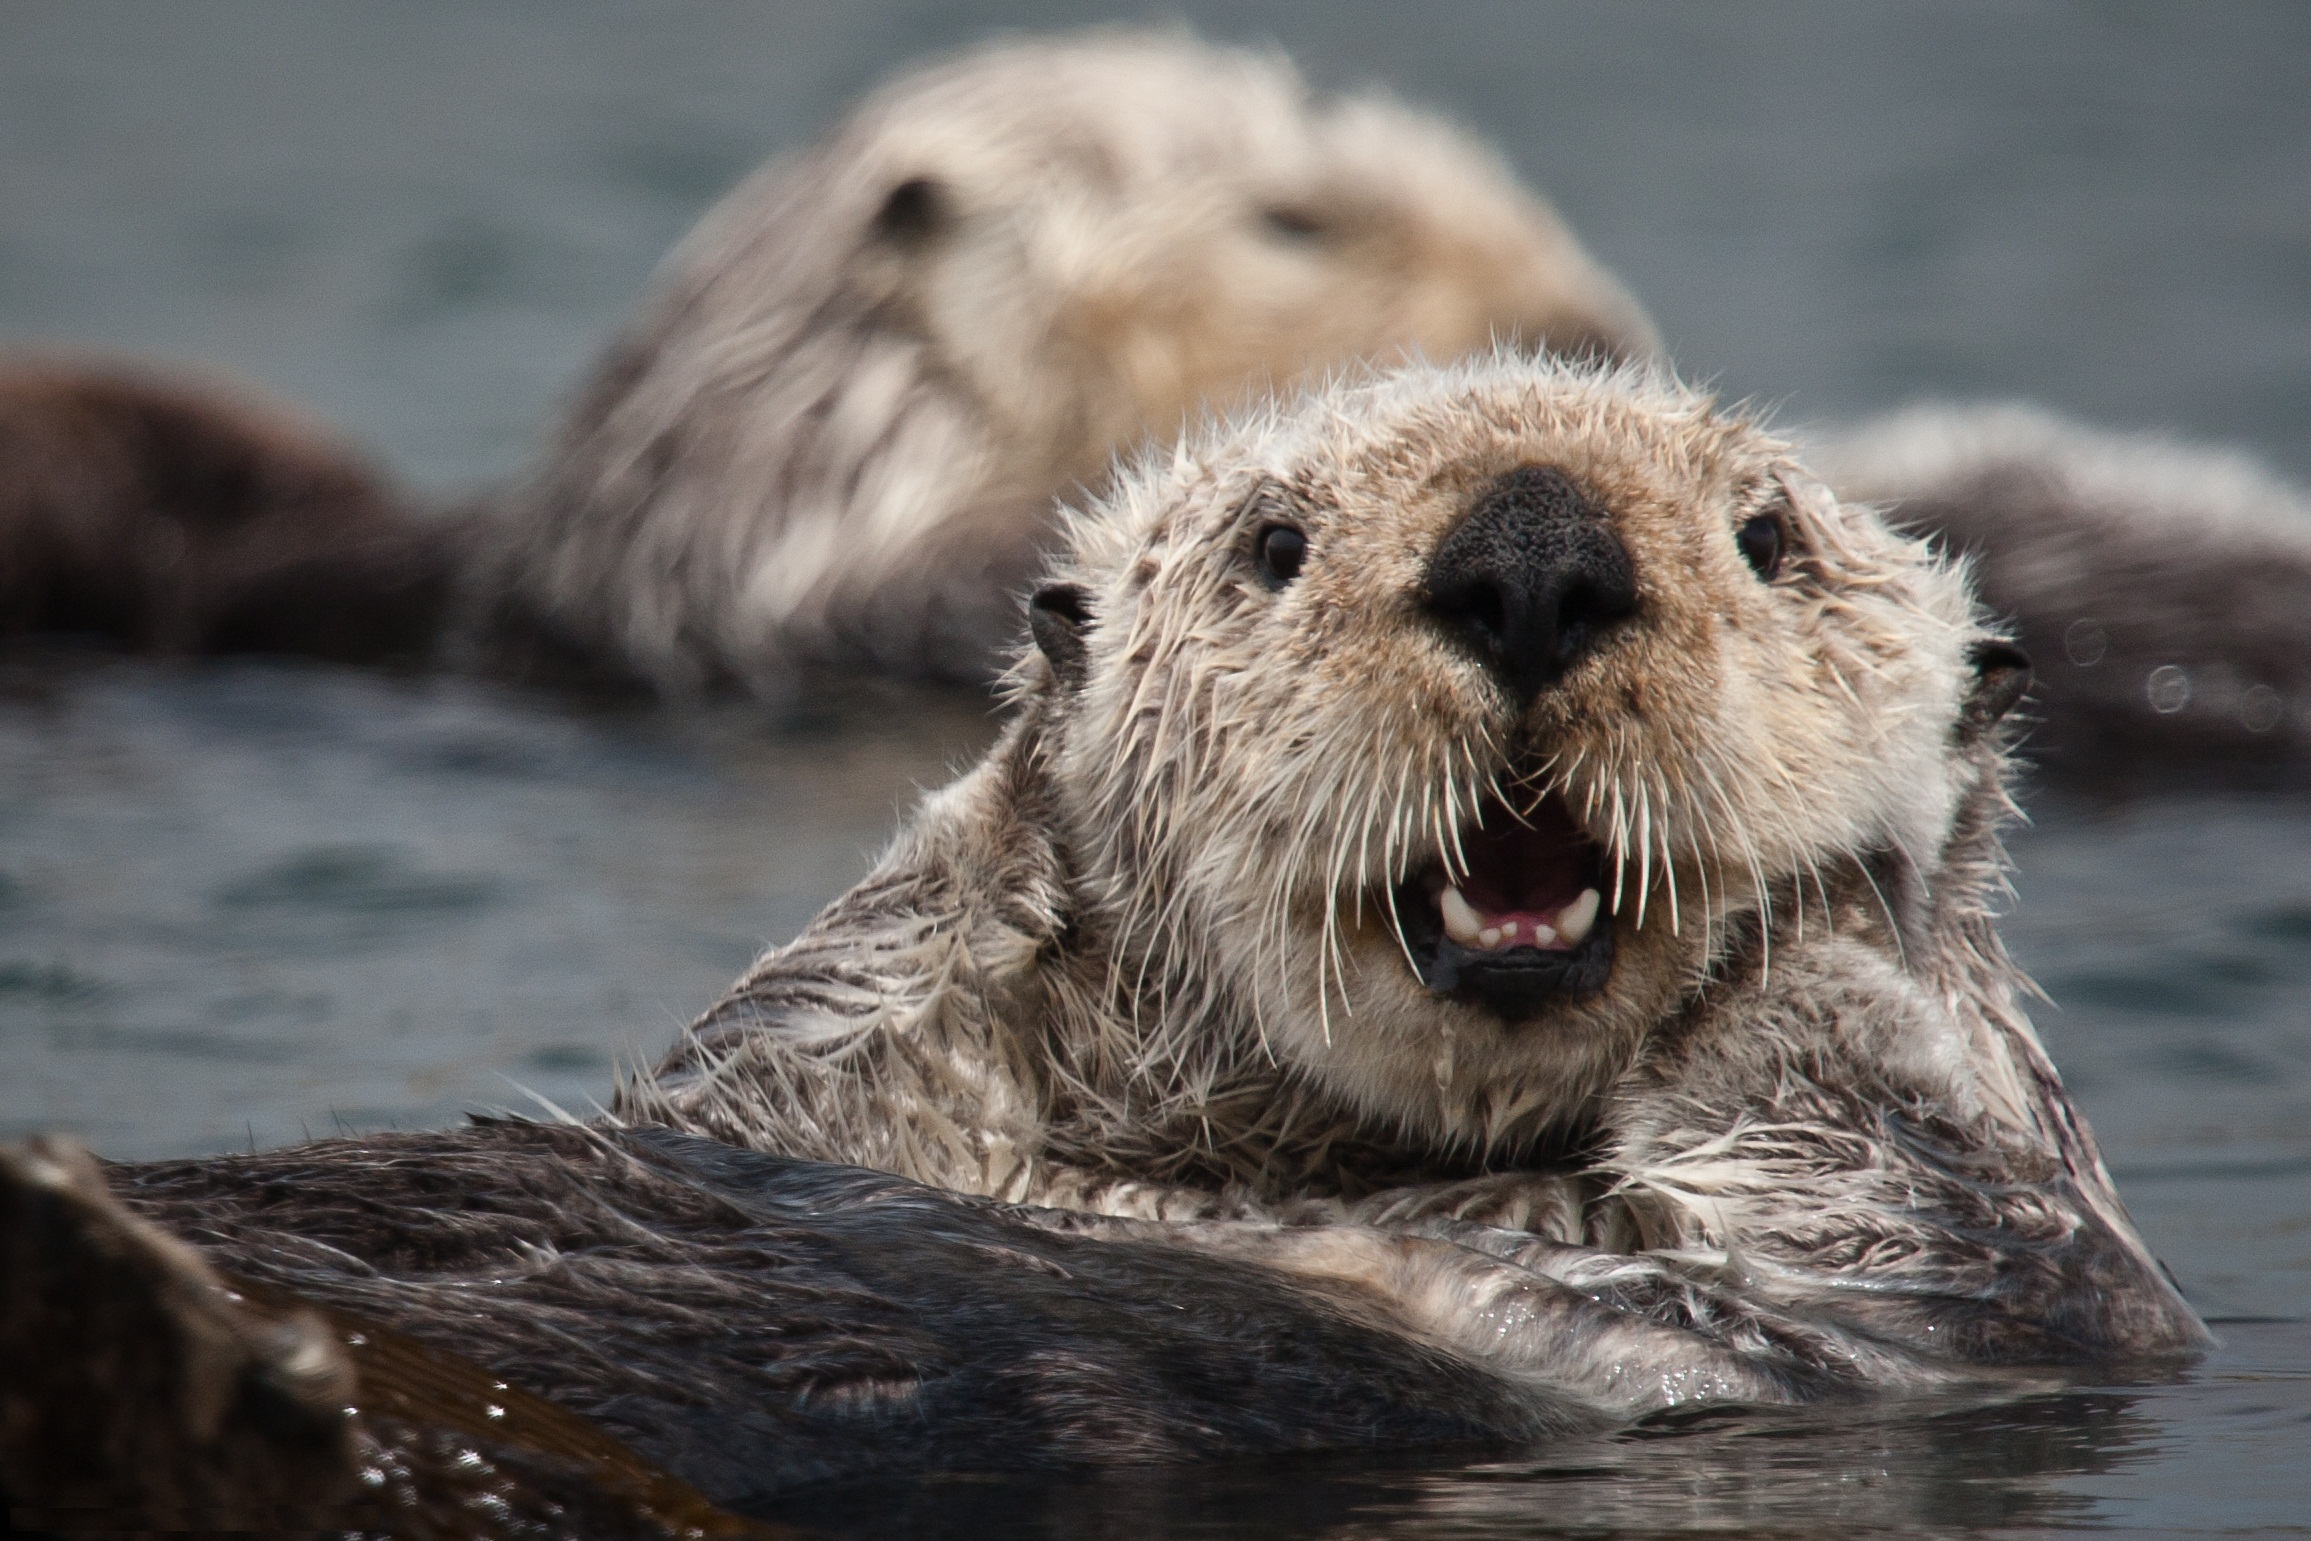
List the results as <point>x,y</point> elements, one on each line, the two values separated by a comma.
<point>1491,868</point>
<point>1474,771</point>
<point>836,430</point>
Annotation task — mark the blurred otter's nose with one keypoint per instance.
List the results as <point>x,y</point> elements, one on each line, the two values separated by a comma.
<point>1532,578</point>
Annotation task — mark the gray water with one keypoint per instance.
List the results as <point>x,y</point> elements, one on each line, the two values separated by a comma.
<point>246,903</point>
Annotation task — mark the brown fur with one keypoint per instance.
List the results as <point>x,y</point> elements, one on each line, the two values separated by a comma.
<point>758,1324</point>
<point>141,1393</point>
<point>2163,587</point>
<point>182,516</point>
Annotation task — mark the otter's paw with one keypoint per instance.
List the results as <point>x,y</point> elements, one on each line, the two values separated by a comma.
<point>1544,1204</point>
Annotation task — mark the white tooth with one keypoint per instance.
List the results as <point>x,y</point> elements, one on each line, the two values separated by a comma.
<point>1509,929</point>
<point>1490,936</point>
<point>1461,921</point>
<point>1575,919</point>
<point>1543,936</point>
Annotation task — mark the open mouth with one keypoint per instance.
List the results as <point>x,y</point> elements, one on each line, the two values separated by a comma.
<point>1524,924</point>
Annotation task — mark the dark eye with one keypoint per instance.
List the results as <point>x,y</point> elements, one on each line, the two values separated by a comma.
<point>1281,551</point>
<point>913,212</point>
<point>1760,542</point>
<point>1291,224</point>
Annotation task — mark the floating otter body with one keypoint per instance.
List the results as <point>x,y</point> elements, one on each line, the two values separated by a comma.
<point>2164,588</point>
<point>193,517</point>
<point>1497,856</point>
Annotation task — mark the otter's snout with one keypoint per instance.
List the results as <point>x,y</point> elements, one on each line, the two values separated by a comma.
<point>1532,578</point>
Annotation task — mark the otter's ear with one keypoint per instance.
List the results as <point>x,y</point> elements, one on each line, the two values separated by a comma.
<point>913,212</point>
<point>1059,615</point>
<point>2001,677</point>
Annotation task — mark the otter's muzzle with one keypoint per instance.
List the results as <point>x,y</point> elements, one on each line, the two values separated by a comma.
<point>1532,579</point>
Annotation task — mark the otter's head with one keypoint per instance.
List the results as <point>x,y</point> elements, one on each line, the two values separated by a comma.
<point>840,428</point>
<point>1447,729</point>
<point>1099,235</point>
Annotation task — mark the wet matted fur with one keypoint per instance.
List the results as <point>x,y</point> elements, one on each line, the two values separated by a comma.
<point>141,1393</point>
<point>1161,954</point>
<point>755,1324</point>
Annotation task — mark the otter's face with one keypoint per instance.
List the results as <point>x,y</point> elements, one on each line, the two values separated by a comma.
<point>1445,731</point>
<point>1104,238</point>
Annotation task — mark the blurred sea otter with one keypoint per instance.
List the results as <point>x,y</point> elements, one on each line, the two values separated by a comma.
<point>2164,587</point>
<point>836,431</point>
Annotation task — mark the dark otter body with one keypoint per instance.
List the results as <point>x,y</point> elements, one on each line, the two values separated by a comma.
<point>2162,588</point>
<point>179,519</point>
<point>140,1393</point>
<point>731,1328</point>
<point>754,1324</point>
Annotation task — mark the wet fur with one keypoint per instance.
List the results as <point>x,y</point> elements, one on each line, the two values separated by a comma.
<point>141,1393</point>
<point>1135,963</point>
<point>754,1324</point>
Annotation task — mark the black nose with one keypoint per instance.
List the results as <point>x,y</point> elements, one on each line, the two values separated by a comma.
<point>1532,578</point>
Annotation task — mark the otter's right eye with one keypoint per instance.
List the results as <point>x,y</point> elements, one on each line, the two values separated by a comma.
<point>1281,549</point>
<point>1761,542</point>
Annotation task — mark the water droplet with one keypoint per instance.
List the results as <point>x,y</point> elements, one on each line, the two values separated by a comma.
<point>2086,642</point>
<point>2169,689</point>
<point>2261,708</point>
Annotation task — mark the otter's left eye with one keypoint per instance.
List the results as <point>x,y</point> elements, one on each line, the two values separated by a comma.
<point>1281,551</point>
<point>1760,542</point>
<point>1293,224</point>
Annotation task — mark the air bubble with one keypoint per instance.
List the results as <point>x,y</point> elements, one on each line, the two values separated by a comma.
<point>2261,708</point>
<point>2169,689</point>
<point>2086,643</point>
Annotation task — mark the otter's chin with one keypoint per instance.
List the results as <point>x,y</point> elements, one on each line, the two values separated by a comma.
<point>1517,919</point>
